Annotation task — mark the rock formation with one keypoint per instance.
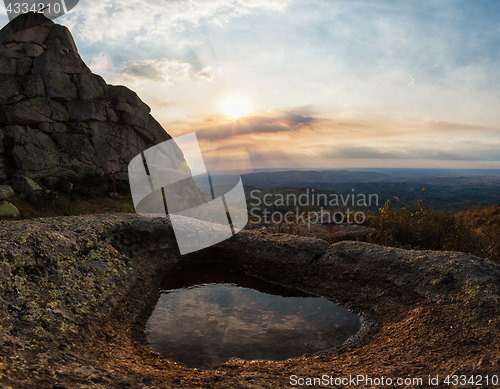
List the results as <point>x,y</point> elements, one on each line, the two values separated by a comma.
<point>57,118</point>
<point>76,298</point>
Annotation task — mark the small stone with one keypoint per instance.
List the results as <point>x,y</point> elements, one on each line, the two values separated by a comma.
<point>148,136</point>
<point>52,41</point>
<point>12,50</point>
<point>26,187</point>
<point>7,210</point>
<point>53,127</point>
<point>88,86</point>
<point>34,111</point>
<point>6,192</point>
<point>112,116</point>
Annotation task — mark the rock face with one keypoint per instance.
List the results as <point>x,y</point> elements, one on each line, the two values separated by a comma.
<point>76,293</point>
<point>57,118</point>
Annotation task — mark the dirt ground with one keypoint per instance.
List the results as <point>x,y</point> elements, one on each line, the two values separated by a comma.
<point>427,315</point>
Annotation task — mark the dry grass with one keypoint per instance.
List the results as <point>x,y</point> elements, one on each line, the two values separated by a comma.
<point>64,206</point>
<point>475,231</point>
<point>74,196</point>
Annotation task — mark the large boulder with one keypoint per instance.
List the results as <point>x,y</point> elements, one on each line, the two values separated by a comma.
<point>26,187</point>
<point>57,118</point>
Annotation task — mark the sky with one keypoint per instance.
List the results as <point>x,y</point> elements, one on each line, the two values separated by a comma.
<point>308,84</point>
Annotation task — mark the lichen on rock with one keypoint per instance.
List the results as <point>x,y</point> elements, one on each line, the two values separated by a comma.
<point>76,298</point>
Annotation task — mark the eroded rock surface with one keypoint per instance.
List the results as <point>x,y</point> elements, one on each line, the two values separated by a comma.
<point>76,292</point>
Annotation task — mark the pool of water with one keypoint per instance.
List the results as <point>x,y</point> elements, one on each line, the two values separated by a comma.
<point>208,314</point>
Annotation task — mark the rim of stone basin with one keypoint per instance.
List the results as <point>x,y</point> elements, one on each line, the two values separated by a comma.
<point>183,277</point>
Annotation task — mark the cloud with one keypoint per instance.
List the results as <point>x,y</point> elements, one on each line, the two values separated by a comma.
<point>465,151</point>
<point>459,151</point>
<point>298,119</point>
<point>294,141</point>
<point>256,125</point>
<point>110,20</point>
<point>162,70</point>
<point>305,110</point>
<point>462,127</point>
<point>100,62</point>
<point>204,74</point>
<point>279,157</point>
<point>362,76</point>
<point>361,152</point>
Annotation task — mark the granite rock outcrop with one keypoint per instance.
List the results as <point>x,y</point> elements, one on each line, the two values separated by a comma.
<point>57,118</point>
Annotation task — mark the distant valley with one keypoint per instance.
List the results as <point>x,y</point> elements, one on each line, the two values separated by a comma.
<point>453,190</point>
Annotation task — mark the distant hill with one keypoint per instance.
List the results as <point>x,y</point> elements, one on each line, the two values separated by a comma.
<point>454,193</point>
<point>300,177</point>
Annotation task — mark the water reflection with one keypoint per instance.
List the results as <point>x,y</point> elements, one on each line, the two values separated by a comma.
<point>210,314</point>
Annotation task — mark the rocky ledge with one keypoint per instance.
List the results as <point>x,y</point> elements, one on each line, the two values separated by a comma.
<point>57,118</point>
<point>75,294</point>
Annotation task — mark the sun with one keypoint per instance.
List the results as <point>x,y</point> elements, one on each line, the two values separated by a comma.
<point>235,107</point>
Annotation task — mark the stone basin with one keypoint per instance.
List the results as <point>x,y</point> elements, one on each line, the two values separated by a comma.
<point>77,292</point>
